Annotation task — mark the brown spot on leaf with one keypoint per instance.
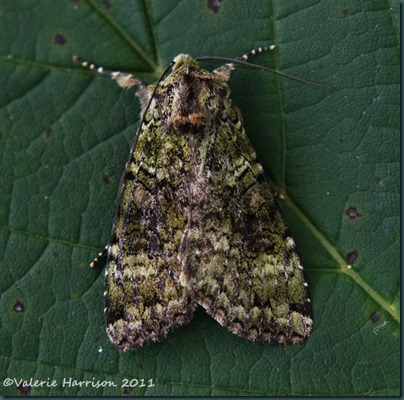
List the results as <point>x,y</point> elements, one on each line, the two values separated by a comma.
<point>60,39</point>
<point>24,390</point>
<point>214,5</point>
<point>352,256</point>
<point>345,12</point>
<point>106,180</point>
<point>107,4</point>
<point>48,131</point>
<point>19,306</point>
<point>127,389</point>
<point>374,317</point>
<point>353,213</point>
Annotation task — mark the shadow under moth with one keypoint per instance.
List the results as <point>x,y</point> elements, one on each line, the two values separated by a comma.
<point>197,223</point>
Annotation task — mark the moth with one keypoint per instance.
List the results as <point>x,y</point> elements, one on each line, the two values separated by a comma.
<point>197,223</point>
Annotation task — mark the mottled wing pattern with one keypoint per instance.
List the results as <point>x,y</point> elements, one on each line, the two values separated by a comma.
<point>145,294</point>
<point>243,259</point>
<point>197,222</point>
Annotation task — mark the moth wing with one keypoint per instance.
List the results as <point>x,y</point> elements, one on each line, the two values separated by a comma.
<point>145,292</point>
<point>248,275</point>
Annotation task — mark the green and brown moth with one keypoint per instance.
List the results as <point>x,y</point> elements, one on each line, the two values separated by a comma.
<point>197,223</point>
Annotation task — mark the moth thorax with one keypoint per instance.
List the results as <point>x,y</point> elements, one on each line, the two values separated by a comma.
<point>194,105</point>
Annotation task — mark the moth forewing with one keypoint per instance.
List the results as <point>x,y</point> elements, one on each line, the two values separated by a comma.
<point>197,223</point>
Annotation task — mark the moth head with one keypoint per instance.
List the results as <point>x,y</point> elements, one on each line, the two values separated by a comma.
<point>184,61</point>
<point>191,95</point>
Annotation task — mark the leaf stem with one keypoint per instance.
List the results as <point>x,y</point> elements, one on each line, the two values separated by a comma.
<point>122,32</point>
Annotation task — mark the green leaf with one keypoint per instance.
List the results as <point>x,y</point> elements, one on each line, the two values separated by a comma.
<point>65,135</point>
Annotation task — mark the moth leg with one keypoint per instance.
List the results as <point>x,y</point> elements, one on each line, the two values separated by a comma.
<point>100,256</point>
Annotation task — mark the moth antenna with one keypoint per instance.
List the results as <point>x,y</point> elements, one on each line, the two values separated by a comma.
<point>123,79</point>
<point>223,72</point>
<point>254,52</point>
